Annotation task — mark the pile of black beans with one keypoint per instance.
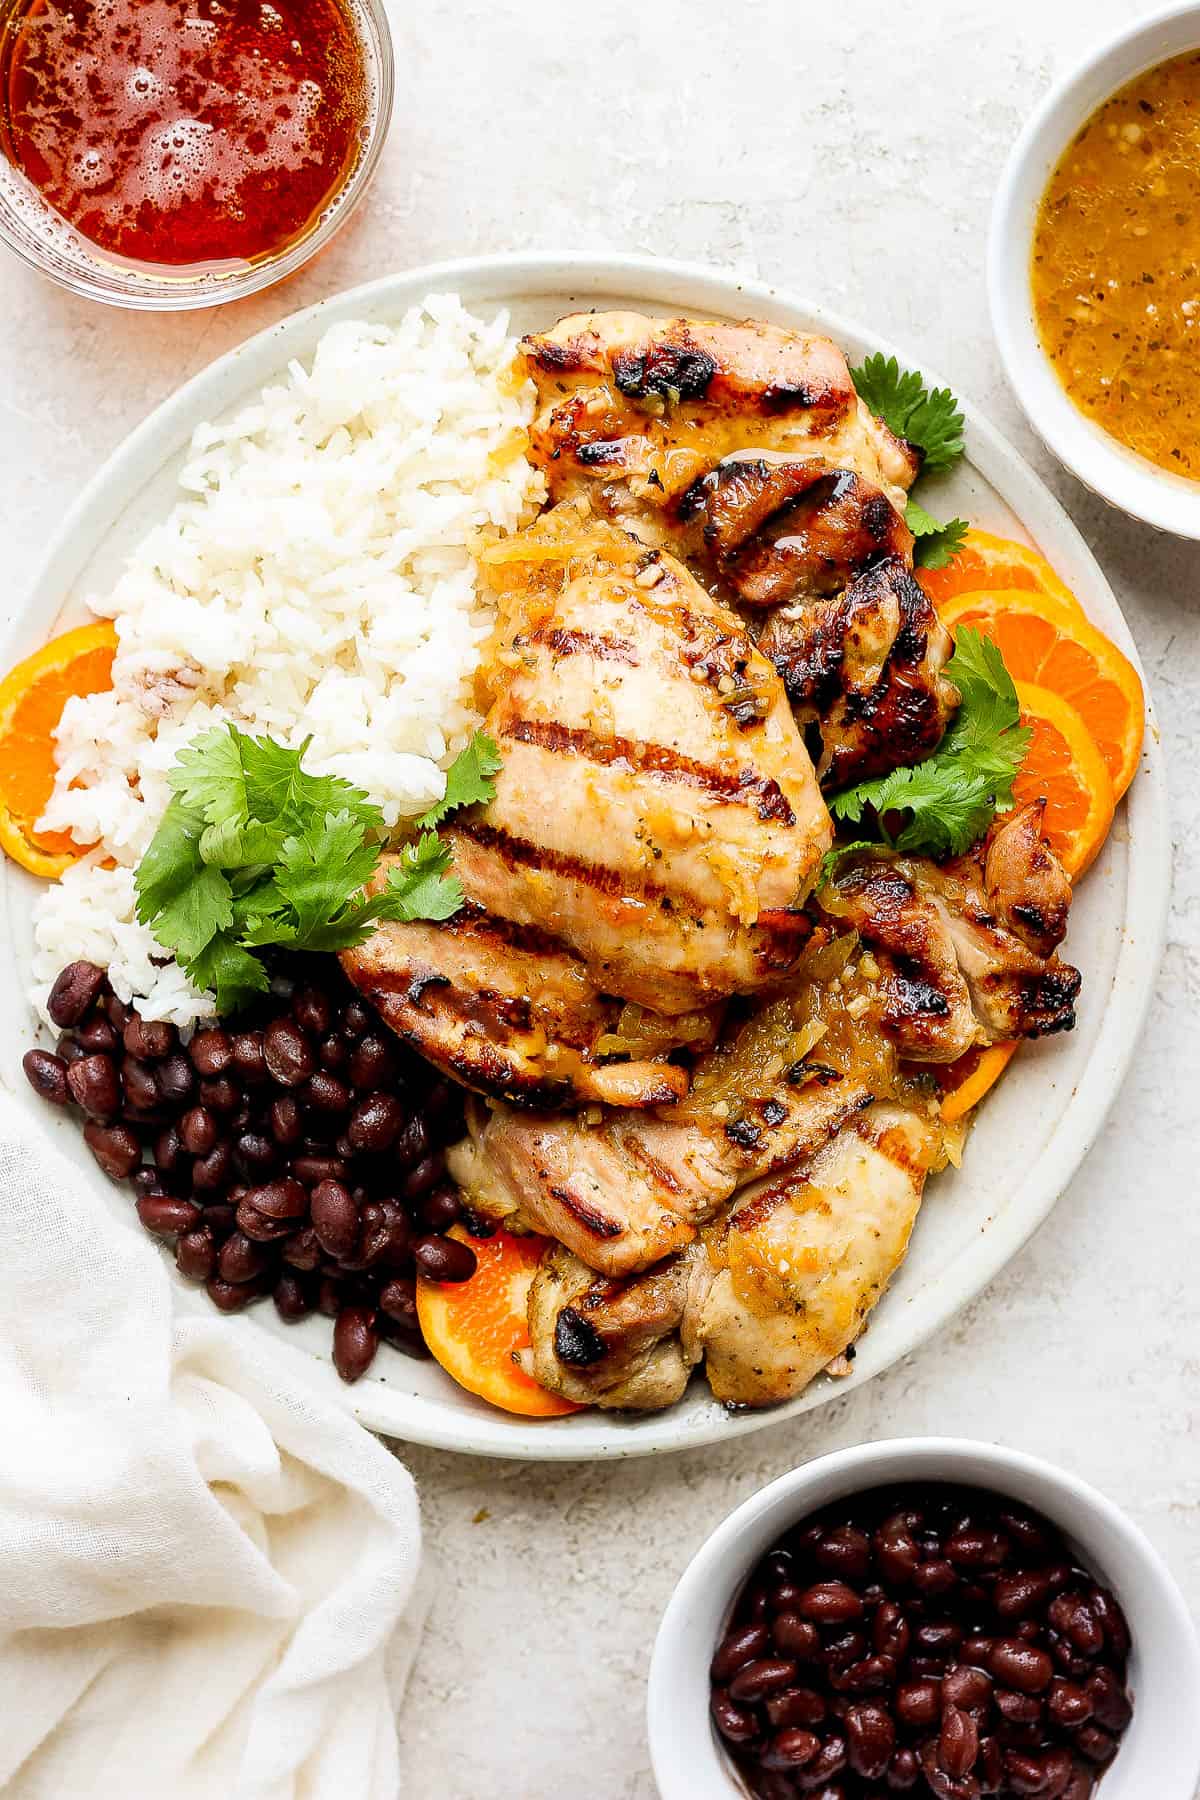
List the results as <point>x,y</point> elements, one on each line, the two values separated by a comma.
<point>923,1640</point>
<point>296,1151</point>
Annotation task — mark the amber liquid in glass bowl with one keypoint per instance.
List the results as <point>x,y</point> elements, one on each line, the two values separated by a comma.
<point>185,137</point>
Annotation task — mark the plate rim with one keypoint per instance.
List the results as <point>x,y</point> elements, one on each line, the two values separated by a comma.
<point>517,276</point>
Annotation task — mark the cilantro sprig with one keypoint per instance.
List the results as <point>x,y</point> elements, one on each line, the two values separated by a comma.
<point>935,544</point>
<point>253,850</point>
<point>949,800</point>
<point>927,418</point>
<point>930,420</point>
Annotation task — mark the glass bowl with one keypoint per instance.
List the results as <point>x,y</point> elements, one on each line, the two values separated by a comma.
<point>48,243</point>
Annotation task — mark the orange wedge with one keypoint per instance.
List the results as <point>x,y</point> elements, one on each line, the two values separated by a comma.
<point>1051,643</point>
<point>966,1081</point>
<point>1064,767</point>
<point>475,1328</point>
<point>993,563</point>
<point>32,697</point>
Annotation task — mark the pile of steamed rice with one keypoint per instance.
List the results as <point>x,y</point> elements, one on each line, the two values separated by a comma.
<point>317,578</point>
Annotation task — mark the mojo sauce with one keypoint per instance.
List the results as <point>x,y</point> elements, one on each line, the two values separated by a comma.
<point>184,131</point>
<point>1116,266</point>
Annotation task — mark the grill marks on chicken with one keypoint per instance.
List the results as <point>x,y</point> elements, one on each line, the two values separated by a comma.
<point>508,1010</point>
<point>747,450</point>
<point>800,1262</point>
<point>866,667</point>
<point>953,974</point>
<point>742,447</point>
<point>774,1291</point>
<point>655,801</point>
<point>631,1189</point>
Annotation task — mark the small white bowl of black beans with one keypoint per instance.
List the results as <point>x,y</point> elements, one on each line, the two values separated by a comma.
<point>931,1617</point>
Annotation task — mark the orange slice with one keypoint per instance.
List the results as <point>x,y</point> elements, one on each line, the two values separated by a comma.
<point>475,1328</point>
<point>1064,767</point>
<point>993,563</point>
<point>966,1081</point>
<point>1051,643</point>
<point>32,697</point>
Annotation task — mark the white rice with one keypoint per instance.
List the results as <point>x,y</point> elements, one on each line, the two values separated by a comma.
<point>317,577</point>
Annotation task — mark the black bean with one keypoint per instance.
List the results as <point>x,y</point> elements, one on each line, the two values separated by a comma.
<point>335,1218</point>
<point>286,1120</point>
<point>1068,1704</point>
<point>166,1217</point>
<point>198,1131</point>
<point>792,1748</point>
<point>356,1018</point>
<point>385,1236</point>
<point>196,1254</point>
<point>74,991</point>
<point>1071,1615</point>
<point>325,1093</point>
<point>1109,1700</point>
<point>764,1676</point>
<point>254,1154</point>
<point>303,1249</point>
<point>168,1148</point>
<point>282,1199</point>
<point>375,1123</point>
<point>442,1209</point>
<point>288,1053</point>
<point>292,1298</point>
<point>797,1706</point>
<point>140,1083</point>
<point>258,1226</point>
<point>93,1085</point>
<point>844,1552</point>
<point>334,1052</point>
<point>312,1169</point>
<point>413,1143</point>
<point>870,1740</point>
<point>240,1258</point>
<point>69,1048</point>
<point>150,1040</point>
<point>313,1010</point>
<point>918,1703</point>
<point>176,1078</point>
<point>220,1093</point>
<point>890,1631</point>
<point>426,1175</point>
<point>212,1171</point>
<point>967,1687</point>
<point>1097,1745</point>
<point>355,1341</point>
<point>745,1643</point>
<point>211,1051</point>
<point>232,1296</point>
<point>115,1147</point>
<point>1112,1621</point>
<point>249,1061</point>
<point>443,1259</point>
<point>896,1549</point>
<point>736,1724</point>
<point>47,1076</point>
<point>96,1034</point>
<point>958,1742</point>
<point>796,1637</point>
<point>1021,1666</point>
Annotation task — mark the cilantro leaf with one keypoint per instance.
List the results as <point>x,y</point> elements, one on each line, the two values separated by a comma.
<point>321,868</point>
<point>469,779</point>
<point>935,543</point>
<point>952,797</point>
<point>225,969</point>
<point>419,885</point>
<point>253,851</point>
<point>929,419</point>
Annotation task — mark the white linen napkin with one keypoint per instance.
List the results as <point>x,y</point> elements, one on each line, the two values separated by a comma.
<point>207,1567</point>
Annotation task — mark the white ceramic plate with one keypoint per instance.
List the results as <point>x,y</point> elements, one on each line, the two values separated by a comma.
<point>1034,1130</point>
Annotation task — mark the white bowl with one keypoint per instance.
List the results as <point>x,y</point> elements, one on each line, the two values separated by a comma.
<point>1159,1758</point>
<point>1127,480</point>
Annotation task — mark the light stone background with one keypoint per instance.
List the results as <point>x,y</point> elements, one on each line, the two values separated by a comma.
<point>848,151</point>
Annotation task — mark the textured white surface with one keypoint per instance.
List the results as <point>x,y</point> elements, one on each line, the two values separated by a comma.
<point>849,151</point>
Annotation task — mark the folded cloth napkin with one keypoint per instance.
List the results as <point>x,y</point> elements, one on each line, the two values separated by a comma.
<point>208,1567</point>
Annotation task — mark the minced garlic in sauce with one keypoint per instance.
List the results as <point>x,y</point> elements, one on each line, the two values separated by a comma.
<point>1116,266</point>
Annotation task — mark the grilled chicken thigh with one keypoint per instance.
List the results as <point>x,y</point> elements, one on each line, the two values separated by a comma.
<point>771,1294</point>
<point>746,450</point>
<point>633,1188</point>
<point>866,667</point>
<point>508,1010</point>
<point>633,411</point>
<point>800,1260</point>
<point>952,974</point>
